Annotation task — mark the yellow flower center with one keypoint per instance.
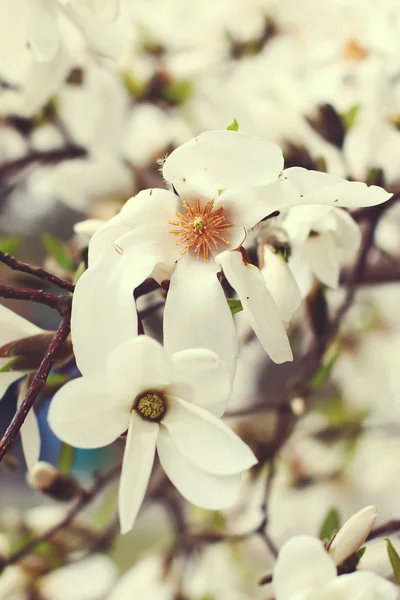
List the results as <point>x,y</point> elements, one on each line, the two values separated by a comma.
<point>200,228</point>
<point>151,406</point>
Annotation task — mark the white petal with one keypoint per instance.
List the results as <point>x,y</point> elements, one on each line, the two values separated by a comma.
<point>89,579</point>
<point>347,232</point>
<point>30,433</point>
<point>208,491</point>
<point>303,564</point>
<point>136,469</point>
<point>13,327</point>
<point>353,534</point>
<point>313,187</point>
<point>321,254</point>
<point>149,207</point>
<point>360,586</point>
<point>85,413</point>
<point>140,364</point>
<point>144,580</point>
<point>105,10</point>
<point>281,283</point>
<point>205,440</point>
<point>196,313</point>
<point>107,288</point>
<point>87,228</point>
<point>258,304</point>
<point>247,207</point>
<point>42,29</point>
<point>218,160</point>
<point>6,379</point>
<point>207,377</point>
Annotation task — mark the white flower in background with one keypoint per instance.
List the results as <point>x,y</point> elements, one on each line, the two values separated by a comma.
<point>352,535</point>
<point>225,183</point>
<point>144,580</point>
<point>318,237</point>
<point>305,571</point>
<point>85,230</point>
<point>166,402</point>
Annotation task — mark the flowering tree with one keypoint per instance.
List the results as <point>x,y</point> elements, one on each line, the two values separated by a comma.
<point>224,329</point>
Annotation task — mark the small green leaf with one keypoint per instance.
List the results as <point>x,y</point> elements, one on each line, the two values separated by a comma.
<point>234,126</point>
<point>349,117</point>
<point>322,375</point>
<point>178,92</point>
<point>10,244</point>
<point>9,366</point>
<point>394,560</point>
<point>330,525</point>
<point>361,552</point>
<point>80,271</point>
<point>56,379</point>
<point>66,458</point>
<point>58,251</point>
<point>235,305</point>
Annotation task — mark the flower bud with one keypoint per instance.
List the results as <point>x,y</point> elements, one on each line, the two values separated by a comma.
<point>48,480</point>
<point>352,535</point>
<point>26,354</point>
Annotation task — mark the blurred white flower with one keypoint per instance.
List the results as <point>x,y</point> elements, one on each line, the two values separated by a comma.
<point>352,534</point>
<point>305,571</point>
<point>166,402</point>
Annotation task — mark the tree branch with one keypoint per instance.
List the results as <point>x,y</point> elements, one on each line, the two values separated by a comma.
<point>36,385</point>
<point>54,156</point>
<point>22,267</point>
<point>59,302</point>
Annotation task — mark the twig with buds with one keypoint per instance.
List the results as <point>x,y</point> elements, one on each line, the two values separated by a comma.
<point>59,302</point>
<point>42,274</point>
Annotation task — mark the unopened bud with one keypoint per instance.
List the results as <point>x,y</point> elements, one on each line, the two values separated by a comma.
<point>26,354</point>
<point>352,535</point>
<point>48,480</point>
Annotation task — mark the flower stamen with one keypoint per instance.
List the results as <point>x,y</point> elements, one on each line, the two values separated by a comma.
<point>151,406</point>
<point>200,228</point>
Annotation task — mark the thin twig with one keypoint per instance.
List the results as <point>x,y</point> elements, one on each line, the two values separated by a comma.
<point>72,151</point>
<point>38,381</point>
<point>17,265</point>
<point>56,301</point>
<point>83,500</point>
<point>388,528</point>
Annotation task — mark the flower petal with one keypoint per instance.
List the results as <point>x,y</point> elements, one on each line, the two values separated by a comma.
<point>139,365</point>
<point>30,433</point>
<point>153,206</point>
<point>205,440</point>
<point>321,254</point>
<point>218,160</point>
<point>360,586</point>
<point>85,413</point>
<point>196,313</point>
<point>136,469</point>
<point>42,29</point>
<point>6,379</point>
<point>281,284</point>
<point>303,564</point>
<point>258,304</point>
<point>103,309</point>
<point>347,232</point>
<point>301,186</point>
<point>206,376</point>
<point>13,327</point>
<point>247,207</point>
<point>202,489</point>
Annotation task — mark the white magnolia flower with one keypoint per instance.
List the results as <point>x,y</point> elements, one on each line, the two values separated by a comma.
<point>166,402</point>
<point>305,571</point>
<point>318,236</point>
<point>224,183</point>
<point>353,534</point>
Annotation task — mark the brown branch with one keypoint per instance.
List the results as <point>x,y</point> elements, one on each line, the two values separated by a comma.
<point>38,381</point>
<point>54,156</point>
<point>57,301</point>
<point>82,501</point>
<point>385,529</point>
<point>22,267</point>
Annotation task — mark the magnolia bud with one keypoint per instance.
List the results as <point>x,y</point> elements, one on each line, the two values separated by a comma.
<point>48,480</point>
<point>352,535</point>
<point>26,354</point>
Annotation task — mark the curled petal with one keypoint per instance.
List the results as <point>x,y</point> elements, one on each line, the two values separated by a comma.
<point>281,284</point>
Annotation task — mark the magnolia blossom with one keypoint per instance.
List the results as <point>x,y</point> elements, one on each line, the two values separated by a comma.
<point>352,535</point>
<point>223,184</point>
<point>166,402</point>
<point>318,237</point>
<point>305,571</point>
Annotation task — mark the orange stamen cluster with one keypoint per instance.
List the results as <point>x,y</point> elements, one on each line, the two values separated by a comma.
<point>200,228</point>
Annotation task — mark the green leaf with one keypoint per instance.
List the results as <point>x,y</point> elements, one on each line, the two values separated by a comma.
<point>361,552</point>
<point>394,560</point>
<point>56,379</point>
<point>10,244</point>
<point>234,126</point>
<point>323,373</point>
<point>235,305</point>
<point>9,366</point>
<point>55,248</point>
<point>66,458</point>
<point>330,525</point>
<point>349,117</point>
<point>80,271</point>
<point>178,92</point>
